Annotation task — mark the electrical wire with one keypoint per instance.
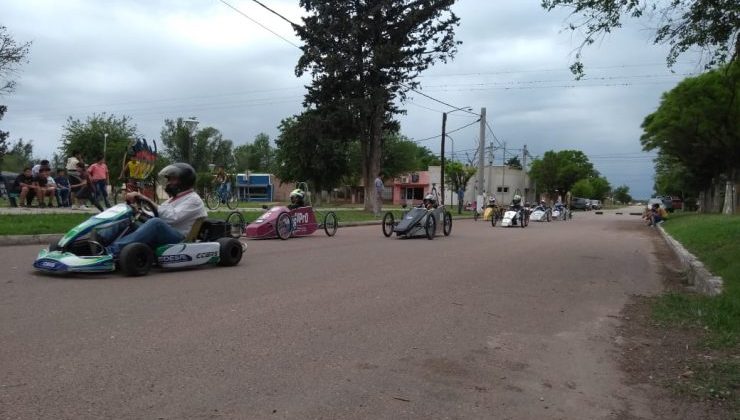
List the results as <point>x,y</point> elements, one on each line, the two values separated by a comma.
<point>276,13</point>
<point>261,25</point>
<point>451,131</point>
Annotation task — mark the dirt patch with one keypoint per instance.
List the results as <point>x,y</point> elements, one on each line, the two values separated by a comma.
<point>666,362</point>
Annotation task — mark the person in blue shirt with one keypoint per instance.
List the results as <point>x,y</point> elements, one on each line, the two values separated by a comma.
<point>63,188</point>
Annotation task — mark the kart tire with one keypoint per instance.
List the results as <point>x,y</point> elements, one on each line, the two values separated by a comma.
<point>475,215</point>
<point>235,220</point>
<point>283,226</point>
<point>447,226</point>
<point>494,218</point>
<point>230,252</point>
<point>549,217</point>
<point>388,224</point>
<point>330,223</point>
<point>430,227</point>
<point>213,201</point>
<point>136,259</point>
<point>525,221</point>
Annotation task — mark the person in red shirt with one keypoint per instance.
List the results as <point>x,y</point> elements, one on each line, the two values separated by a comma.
<point>100,178</point>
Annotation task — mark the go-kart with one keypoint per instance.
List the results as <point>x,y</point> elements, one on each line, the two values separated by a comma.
<point>515,217</point>
<point>541,214</point>
<point>560,212</point>
<point>419,221</point>
<point>282,222</point>
<point>82,249</point>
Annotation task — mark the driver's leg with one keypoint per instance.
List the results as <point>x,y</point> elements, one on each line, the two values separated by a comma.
<point>153,232</point>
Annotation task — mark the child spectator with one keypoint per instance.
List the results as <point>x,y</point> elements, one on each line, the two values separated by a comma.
<point>37,167</point>
<point>63,189</point>
<point>84,190</point>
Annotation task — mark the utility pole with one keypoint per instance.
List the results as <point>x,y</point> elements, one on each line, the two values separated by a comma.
<point>503,174</point>
<point>442,147</point>
<point>481,151</point>
<point>524,170</point>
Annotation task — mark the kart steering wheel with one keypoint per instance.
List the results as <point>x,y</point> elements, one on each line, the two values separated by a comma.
<point>145,208</point>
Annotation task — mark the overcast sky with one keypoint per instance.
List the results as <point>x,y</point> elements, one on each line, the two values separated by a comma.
<point>158,59</point>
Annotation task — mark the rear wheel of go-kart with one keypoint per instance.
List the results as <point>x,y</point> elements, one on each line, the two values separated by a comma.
<point>549,216</point>
<point>233,201</point>
<point>494,218</point>
<point>447,226</point>
<point>388,224</point>
<point>213,200</point>
<point>235,220</point>
<point>525,221</point>
<point>330,223</point>
<point>475,215</point>
<point>136,259</point>
<point>284,226</point>
<point>230,252</point>
<point>430,227</point>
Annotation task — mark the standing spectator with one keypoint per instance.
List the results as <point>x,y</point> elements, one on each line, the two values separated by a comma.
<point>84,190</point>
<point>37,167</point>
<point>378,194</point>
<point>72,162</point>
<point>43,189</point>
<point>24,186</point>
<point>99,175</point>
<point>63,190</point>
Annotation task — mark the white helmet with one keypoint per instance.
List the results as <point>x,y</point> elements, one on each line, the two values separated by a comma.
<point>491,199</point>
<point>517,199</point>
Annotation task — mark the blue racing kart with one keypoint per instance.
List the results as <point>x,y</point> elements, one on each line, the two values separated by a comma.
<point>82,249</point>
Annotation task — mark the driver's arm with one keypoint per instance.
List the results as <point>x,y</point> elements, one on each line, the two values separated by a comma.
<point>132,196</point>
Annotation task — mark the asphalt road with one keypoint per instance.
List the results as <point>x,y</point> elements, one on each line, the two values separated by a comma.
<point>487,323</point>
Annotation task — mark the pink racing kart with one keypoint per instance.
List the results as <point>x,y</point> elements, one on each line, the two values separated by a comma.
<point>282,222</point>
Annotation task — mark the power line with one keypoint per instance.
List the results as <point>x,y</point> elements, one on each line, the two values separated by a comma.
<point>437,100</point>
<point>276,13</point>
<point>451,131</point>
<point>263,26</point>
<point>549,70</point>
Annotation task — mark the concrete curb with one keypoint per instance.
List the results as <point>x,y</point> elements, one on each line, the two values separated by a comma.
<point>696,273</point>
<point>14,240</point>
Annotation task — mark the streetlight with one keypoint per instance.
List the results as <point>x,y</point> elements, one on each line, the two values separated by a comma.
<point>105,145</point>
<point>442,151</point>
<point>192,124</point>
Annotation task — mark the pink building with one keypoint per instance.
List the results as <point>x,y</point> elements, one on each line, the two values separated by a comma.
<point>410,188</point>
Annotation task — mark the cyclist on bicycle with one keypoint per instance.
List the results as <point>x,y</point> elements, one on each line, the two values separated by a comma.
<point>221,180</point>
<point>296,199</point>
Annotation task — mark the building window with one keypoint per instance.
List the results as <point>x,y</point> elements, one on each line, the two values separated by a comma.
<point>412,193</point>
<point>502,189</point>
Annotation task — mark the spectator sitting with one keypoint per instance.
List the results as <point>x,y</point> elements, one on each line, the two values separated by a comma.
<point>37,167</point>
<point>44,189</point>
<point>658,215</point>
<point>24,186</point>
<point>63,189</point>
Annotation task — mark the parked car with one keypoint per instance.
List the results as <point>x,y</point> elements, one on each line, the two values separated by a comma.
<point>595,204</point>
<point>578,203</point>
<point>677,203</point>
<point>664,202</point>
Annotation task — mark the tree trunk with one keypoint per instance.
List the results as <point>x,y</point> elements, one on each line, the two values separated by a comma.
<point>371,155</point>
<point>730,194</point>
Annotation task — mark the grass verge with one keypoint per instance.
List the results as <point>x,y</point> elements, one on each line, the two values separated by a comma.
<point>715,240</point>
<point>35,224</point>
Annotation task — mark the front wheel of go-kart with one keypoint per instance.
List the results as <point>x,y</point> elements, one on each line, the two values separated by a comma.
<point>136,259</point>
<point>230,252</point>
<point>494,218</point>
<point>236,224</point>
<point>475,215</point>
<point>430,227</point>
<point>213,200</point>
<point>447,226</point>
<point>284,226</point>
<point>388,224</point>
<point>549,216</point>
<point>330,223</point>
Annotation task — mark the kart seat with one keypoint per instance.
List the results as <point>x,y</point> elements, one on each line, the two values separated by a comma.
<point>195,229</point>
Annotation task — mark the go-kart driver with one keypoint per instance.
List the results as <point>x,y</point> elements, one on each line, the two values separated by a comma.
<point>429,202</point>
<point>176,215</point>
<point>296,199</point>
<point>491,202</point>
<point>516,205</point>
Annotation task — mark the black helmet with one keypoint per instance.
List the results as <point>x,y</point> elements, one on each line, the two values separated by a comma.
<point>184,173</point>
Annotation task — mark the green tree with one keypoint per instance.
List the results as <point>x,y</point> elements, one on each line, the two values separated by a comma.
<point>622,194</point>
<point>12,55</point>
<point>309,150</point>
<point>600,187</point>
<point>514,163</point>
<point>200,148</point>
<point>457,177</point>
<point>559,171</point>
<point>363,55</point>
<point>582,188</point>
<point>711,26</point>
<point>698,126</point>
<point>88,138</point>
<point>402,155</point>
<point>258,156</point>
<point>19,155</point>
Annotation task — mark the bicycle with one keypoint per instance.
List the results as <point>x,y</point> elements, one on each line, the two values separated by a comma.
<point>214,198</point>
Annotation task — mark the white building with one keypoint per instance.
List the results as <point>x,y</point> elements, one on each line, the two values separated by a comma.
<point>502,181</point>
